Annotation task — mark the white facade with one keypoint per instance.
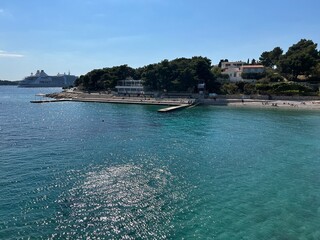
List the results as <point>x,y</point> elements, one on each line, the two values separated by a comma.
<point>130,87</point>
<point>233,70</point>
<point>233,73</point>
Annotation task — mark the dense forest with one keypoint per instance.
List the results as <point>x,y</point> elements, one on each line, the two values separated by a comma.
<point>179,75</point>
<point>296,71</point>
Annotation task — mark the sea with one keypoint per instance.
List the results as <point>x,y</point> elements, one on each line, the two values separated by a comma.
<point>74,170</point>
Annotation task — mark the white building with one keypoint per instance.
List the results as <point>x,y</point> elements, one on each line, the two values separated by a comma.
<point>225,65</point>
<point>233,73</point>
<point>131,86</point>
<point>233,70</point>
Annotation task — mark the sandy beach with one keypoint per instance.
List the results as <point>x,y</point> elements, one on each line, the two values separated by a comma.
<point>245,103</point>
<point>281,104</point>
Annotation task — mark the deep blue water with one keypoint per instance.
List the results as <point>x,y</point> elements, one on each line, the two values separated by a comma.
<point>107,171</point>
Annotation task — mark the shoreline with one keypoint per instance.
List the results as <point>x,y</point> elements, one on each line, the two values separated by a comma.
<point>278,104</point>
<point>230,102</point>
<point>110,98</point>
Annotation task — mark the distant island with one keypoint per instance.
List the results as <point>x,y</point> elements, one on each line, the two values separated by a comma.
<point>6,82</point>
<point>294,73</point>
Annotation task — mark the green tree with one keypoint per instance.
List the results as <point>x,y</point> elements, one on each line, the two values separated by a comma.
<point>249,88</point>
<point>270,59</point>
<point>181,74</point>
<point>150,76</point>
<point>316,72</point>
<point>300,59</point>
<point>164,75</point>
<point>105,78</point>
<point>229,88</point>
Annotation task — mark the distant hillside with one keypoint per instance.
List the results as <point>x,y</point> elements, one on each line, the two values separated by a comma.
<point>6,82</point>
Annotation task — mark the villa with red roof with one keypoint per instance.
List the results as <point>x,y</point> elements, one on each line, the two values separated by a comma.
<point>235,69</point>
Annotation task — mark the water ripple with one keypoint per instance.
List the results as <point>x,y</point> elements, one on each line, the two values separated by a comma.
<point>122,202</point>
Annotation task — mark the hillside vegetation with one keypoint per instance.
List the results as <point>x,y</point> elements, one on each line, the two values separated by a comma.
<point>295,72</point>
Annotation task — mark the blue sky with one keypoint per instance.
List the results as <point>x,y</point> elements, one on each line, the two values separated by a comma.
<point>81,35</point>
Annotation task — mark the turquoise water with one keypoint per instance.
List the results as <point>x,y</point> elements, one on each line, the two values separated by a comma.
<point>106,171</point>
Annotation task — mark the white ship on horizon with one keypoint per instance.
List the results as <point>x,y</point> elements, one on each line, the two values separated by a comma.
<point>41,79</point>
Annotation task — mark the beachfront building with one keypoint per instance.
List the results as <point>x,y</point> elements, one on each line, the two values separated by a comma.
<point>233,73</point>
<point>236,71</point>
<point>130,86</point>
<point>233,70</point>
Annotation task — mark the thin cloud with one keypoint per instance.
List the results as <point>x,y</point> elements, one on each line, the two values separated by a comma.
<point>4,54</point>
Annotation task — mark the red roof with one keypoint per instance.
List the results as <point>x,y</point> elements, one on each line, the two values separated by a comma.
<point>253,66</point>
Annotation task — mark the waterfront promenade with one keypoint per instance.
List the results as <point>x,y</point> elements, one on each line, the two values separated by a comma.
<point>289,103</point>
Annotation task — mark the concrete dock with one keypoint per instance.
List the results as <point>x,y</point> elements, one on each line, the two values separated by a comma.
<point>50,100</point>
<point>171,104</point>
<point>141,101</point>
<point>173,108</point>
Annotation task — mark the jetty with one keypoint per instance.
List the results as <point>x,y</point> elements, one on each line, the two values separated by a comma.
<point>168,104</point>
<point>173,108</point>
<point>42,98</point>
<point>50,100</point>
